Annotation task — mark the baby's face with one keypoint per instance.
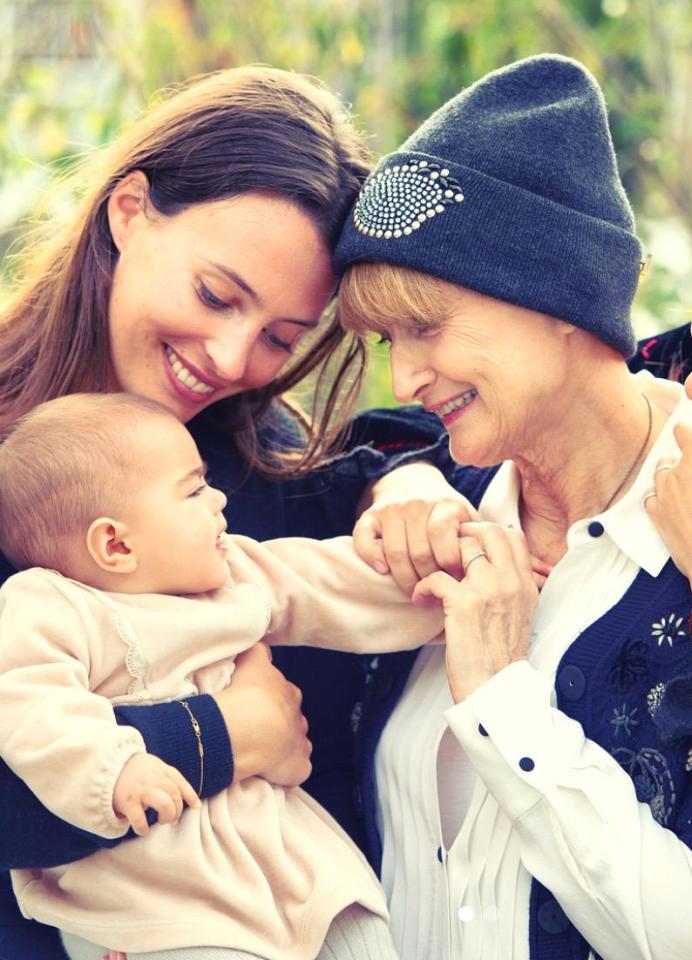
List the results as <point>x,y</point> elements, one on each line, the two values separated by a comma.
<point>174,518</point>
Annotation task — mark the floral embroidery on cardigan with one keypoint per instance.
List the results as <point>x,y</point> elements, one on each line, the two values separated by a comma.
<point>654,697</point>
<point>629,664</point>
<point>652,779</point>
<point>667,630</point>
<point>624,720</point>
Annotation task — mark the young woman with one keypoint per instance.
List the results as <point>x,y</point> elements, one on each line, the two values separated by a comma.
<point>196,270</point>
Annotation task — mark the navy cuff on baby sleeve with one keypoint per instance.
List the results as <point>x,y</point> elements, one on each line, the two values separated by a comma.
<point>168,734</point>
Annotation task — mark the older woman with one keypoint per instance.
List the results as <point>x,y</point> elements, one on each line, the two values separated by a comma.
<point>531,790</point>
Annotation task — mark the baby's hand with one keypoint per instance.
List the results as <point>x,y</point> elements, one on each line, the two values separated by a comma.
<point>146,781</point>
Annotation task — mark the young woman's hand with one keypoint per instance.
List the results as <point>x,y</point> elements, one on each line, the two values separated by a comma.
<point>669,502</point>
<point>412,527</point>
<point>488,614</point>
<point>145,781</point>
<point>267,728</point>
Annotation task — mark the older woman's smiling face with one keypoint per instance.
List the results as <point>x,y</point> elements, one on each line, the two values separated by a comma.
<point>493,372</point>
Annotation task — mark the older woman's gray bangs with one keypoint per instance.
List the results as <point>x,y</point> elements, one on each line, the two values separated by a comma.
<point>376,296</point>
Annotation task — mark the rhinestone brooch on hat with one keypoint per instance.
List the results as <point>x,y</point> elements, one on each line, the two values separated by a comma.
<point>397,200</point>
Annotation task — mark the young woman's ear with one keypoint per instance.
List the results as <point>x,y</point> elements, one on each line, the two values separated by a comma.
<point>108,544</point>
<point>127,206</point>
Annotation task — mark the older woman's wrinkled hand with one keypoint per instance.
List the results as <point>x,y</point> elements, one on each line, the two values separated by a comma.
<point>488,615</point>
<point>412,528</point>
<point>669,502</point>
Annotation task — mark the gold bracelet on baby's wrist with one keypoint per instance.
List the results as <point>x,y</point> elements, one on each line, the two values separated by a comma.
<point>200,746</point>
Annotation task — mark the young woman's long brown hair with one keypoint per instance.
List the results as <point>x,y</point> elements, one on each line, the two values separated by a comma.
<point>248,129</point>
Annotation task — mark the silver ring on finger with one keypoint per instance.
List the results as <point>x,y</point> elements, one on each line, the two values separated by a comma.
<point>663,466</point>
<point>648,495</point>
<point>475,556</point>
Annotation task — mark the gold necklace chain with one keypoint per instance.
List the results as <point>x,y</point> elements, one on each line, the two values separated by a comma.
<point>639,454</point>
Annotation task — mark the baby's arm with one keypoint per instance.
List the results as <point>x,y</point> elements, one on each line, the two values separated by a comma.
<point>145,782</point>
<point>31,837</point>
<point>60,738</point>
<point>323,595</point>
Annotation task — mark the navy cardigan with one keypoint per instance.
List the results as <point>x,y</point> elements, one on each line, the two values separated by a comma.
<point>636,661</point>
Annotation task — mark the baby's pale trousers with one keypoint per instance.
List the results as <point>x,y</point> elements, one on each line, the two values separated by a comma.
<point>355,934</point>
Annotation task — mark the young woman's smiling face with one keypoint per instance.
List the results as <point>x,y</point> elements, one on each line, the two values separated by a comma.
<point>212,301</point>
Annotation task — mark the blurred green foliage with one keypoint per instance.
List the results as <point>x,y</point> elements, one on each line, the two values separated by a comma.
<point>72,72</point>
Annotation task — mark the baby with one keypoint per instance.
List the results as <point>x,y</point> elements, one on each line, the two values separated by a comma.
<point>131,592</point>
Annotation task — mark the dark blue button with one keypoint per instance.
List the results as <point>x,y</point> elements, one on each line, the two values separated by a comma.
<point>481,729</point>
<point>552,918</point>
<point>526,764</point>
<point>571,682</point>
<point>596,529</point>
<point>440,855</point>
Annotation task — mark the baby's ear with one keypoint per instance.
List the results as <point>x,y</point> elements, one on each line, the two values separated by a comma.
<point>108,543</point>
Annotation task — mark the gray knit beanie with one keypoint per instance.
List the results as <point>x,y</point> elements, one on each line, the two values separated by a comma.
<point>511,189</point>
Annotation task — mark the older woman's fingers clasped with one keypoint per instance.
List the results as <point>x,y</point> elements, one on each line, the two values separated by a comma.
<point>488,614</point>
<point>412,538</point>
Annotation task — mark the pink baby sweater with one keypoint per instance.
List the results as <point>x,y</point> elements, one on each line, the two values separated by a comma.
<point>258,867</point>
